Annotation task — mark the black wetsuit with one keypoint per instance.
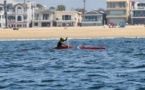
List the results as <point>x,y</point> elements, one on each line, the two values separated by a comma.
<point>59,44</point>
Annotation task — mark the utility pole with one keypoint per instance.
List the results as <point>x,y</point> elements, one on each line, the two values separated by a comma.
<point>24,1</point>
<point>84,5</point>
<point>5,12</point>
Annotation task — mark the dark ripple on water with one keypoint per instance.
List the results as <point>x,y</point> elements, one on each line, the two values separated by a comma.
<point>35,65</point>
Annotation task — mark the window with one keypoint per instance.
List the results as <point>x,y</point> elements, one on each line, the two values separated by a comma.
<point>45,24</point>
<point>19,18</point>
<point>3,16</point>
<point>19,8</point>
<point>66,17</point>
<point>36,16</point>
<point>122,4</point>
<point>111,5</point>
<point>45,16</point>
<point>25,17</point>
<point>138,13</point>
<point>90,18</point>
<point>117,13</point>
<point>1,8</point>
<point>35,24</point>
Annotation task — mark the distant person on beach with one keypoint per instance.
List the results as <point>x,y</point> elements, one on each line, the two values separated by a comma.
<point>61,42</point>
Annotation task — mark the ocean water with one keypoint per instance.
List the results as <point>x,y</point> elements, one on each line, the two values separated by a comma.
<point>35,65</point>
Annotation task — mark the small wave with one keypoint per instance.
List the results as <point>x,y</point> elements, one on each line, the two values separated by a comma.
<point>11,66</point>
<point>97,75</point>
<point>25,81</point>
<point>49,80</point>
<point>140,54</point>
<point>140,66</point>
<point>97,86</point>
<point>3,87</point>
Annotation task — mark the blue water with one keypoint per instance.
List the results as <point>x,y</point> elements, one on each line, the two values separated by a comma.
<point>35,65</point>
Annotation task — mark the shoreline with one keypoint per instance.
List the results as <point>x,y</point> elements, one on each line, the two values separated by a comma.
<point>72,33</point>
<point>69,38</point>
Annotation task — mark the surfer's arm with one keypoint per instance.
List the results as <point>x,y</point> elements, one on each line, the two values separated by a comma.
<point>63,43</point>
<point>65,39</point>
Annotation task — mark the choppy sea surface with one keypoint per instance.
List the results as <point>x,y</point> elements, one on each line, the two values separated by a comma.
<point>35,65</point>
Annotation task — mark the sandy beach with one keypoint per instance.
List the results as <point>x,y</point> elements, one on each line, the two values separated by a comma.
<point>72,32</point>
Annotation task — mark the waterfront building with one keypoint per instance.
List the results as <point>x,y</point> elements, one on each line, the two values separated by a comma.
<point>93,18</point>
<point>2,19</point>
<point>118,11</point>
<point>137,13</point>
<point>2,14</point>
<point>43,18</point>
<point>67,18</point>
<point>20,14</point>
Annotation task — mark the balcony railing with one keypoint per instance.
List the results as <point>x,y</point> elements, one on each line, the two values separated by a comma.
<point>10,12</point>
<point>65,19</point>
<point>141,7</point>
<point>11,20</point>
<point>40,19</point>
<point>138,15</point>
<point>116,14</point>
<point>16,13</point>
<point>116,7</point>
<point>98,21</point>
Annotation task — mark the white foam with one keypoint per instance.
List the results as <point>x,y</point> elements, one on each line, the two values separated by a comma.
<point>69,38</point>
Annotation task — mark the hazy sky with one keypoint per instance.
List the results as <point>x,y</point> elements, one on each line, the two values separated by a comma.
<point>71,4</point>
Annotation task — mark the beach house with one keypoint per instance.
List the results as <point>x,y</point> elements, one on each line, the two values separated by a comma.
<point>67,18</point>
<point>118,11</point>
<point>20,14</point>
<point>43,18</point>
<point>2,14</point>
<point>93,18</point>
<point>2,19</point>
<point>137,13</point>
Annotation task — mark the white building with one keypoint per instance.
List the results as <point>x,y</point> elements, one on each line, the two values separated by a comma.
<point>2,19</point>
<point>67,18</point>
<point>2,16</point>
<point>43,18</point>
<point>118,11</point>
<point>92,18</point>
<point>137,12</point>
<point>20,14</point>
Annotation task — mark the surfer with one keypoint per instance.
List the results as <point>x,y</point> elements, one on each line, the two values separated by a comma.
<point>61,42</point>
